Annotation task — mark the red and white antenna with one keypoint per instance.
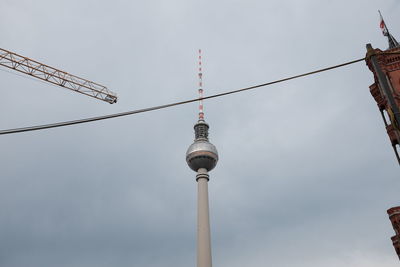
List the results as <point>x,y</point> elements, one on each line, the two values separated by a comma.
<point>201,111</point>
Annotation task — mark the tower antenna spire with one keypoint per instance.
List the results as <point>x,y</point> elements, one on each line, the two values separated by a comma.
<point>201,111</point>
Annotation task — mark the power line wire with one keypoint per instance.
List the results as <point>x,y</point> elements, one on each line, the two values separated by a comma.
<point>73,122</point>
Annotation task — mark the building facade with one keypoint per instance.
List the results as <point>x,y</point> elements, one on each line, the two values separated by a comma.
<point>394,216</point>
<point>387,99</point>
<point>385,66</point>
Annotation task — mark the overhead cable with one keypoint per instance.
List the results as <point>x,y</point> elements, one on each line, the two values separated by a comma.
<point>110,116</point>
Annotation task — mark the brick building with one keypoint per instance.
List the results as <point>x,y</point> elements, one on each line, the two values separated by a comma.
<point>394,216</point>
<point>387,99</point>
<point>385,65</point>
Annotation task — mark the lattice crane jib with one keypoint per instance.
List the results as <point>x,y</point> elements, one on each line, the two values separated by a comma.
<point>55,76</point>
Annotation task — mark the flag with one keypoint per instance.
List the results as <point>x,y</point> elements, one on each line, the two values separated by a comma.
<point>383,27</point>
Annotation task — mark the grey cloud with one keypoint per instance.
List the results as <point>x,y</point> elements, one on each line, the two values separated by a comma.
<point>306,170</point>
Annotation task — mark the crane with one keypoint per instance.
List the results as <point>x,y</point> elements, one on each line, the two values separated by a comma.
<point>55,76</point>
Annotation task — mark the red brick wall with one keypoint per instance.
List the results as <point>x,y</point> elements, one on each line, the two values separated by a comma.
<point>394,216</point>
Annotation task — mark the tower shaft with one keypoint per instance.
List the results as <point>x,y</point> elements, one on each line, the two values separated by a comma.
<point>203,220</point>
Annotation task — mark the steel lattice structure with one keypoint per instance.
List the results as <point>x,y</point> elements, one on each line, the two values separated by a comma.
<point>58,77</point>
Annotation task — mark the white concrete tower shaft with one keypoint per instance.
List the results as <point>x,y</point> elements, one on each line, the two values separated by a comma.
<point>203,220</point>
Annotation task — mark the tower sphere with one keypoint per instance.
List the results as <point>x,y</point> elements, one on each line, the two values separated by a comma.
<point>202,154</point>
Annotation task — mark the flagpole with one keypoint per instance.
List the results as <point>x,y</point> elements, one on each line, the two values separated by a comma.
<point>385,31</point>
<point>384,25</point>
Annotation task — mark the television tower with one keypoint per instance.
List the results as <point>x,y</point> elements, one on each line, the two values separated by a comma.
<point>202,157</point>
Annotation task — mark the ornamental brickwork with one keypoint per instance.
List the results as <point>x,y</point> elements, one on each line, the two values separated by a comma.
<point>385,65</point>
<point>389,63</point>
<point>394,216</point>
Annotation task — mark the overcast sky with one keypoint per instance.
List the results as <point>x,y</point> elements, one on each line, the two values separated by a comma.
<point>306,170</point>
